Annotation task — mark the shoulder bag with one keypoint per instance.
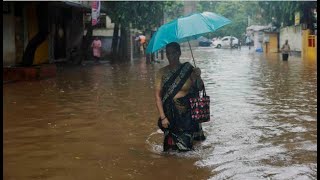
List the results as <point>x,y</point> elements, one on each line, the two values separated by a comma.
<point>200,107</point>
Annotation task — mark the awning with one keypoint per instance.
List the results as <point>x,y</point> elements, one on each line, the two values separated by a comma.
<point>79,4</point>
<point>84,4</point>
<point>258,27</point>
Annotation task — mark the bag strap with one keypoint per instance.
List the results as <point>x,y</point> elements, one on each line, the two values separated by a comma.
<point>204,91</point>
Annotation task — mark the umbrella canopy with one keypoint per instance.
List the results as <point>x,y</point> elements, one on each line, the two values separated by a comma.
<point>186,28</point>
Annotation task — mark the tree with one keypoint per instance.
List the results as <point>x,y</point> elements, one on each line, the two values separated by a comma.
<point>284,11</point>
<point>173,10</point>
<point>141,15</point>
<point>237,12</point>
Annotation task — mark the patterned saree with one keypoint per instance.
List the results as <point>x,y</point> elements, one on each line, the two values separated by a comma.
<point>182,130</point>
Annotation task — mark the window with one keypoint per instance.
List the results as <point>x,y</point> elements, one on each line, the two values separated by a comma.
<point>311,41</point>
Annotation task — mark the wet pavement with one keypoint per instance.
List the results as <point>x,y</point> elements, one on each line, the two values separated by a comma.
<point>99,122</point>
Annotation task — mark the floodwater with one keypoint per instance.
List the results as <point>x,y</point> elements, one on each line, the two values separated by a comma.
<point>99,122</point>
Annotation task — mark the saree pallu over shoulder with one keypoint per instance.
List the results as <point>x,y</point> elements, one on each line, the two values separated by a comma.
<point>174,82</point>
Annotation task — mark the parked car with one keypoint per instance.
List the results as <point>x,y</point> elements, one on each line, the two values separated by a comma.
<point>225,42</point>
<point>204,42</point>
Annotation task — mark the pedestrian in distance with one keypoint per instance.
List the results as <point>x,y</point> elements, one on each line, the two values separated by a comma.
<point>248,42</point>
<point>142,41</point>
<point>239,44</point>
<point>96,49</point>
<point>285,51</point>
<point>174,85</point>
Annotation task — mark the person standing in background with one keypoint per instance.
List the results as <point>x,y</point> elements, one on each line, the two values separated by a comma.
<point>142,40</point>
<point>96,49</point>
<point>142,43</point>
<point>285,51</point>
<point>248,41</point>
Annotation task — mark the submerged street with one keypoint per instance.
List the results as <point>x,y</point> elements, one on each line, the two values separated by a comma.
<point>99,121</point>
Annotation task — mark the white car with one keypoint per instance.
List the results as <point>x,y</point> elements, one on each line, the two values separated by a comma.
<point>225,42</point>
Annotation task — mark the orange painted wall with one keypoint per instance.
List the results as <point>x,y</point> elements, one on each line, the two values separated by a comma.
<point>307,51</point>
<point>42,53</point>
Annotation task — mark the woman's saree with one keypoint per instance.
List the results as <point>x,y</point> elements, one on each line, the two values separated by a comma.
<point>182,130</point>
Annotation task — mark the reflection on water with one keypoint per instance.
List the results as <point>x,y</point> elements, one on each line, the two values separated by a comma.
<point>99,122</point>
<point>264,116</point>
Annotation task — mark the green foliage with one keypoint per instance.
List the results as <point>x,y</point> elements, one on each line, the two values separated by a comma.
<point>237,12</point>
<point>143,15</point>
<point>173,10</point>
<point>284,11</point>
<point>146,15</point>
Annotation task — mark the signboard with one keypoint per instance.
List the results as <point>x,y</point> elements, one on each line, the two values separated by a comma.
<point>95,12</point>
<point>297,18</point>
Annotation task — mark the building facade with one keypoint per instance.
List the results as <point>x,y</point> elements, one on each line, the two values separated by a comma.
<point>21,23</point>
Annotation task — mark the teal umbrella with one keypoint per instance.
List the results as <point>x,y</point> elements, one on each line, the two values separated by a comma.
<point>186,28</point>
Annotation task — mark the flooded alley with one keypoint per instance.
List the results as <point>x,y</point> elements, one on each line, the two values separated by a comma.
<point>99,121</point>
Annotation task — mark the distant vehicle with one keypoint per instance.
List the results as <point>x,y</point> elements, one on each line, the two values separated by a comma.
<point>214,39</point>
<point>204,42</point>
<point>225,42</point>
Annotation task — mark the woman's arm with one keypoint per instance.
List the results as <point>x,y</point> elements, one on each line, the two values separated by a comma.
<point>159,103</point>
<point>199,84</point>
<point>164,120</point>
<point>196,79</point>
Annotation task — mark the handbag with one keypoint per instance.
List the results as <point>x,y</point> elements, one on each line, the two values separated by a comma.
<point>200,107</point>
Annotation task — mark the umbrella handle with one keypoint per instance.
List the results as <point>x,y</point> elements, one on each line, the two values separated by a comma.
<point>192,55</point>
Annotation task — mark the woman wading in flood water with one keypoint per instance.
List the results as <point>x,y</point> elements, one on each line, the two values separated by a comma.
<point>175,84</point>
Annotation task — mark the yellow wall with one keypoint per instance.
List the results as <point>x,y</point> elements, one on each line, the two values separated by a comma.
<point>308,52</point>
<point>42,53</point>
<point>272,45</point>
